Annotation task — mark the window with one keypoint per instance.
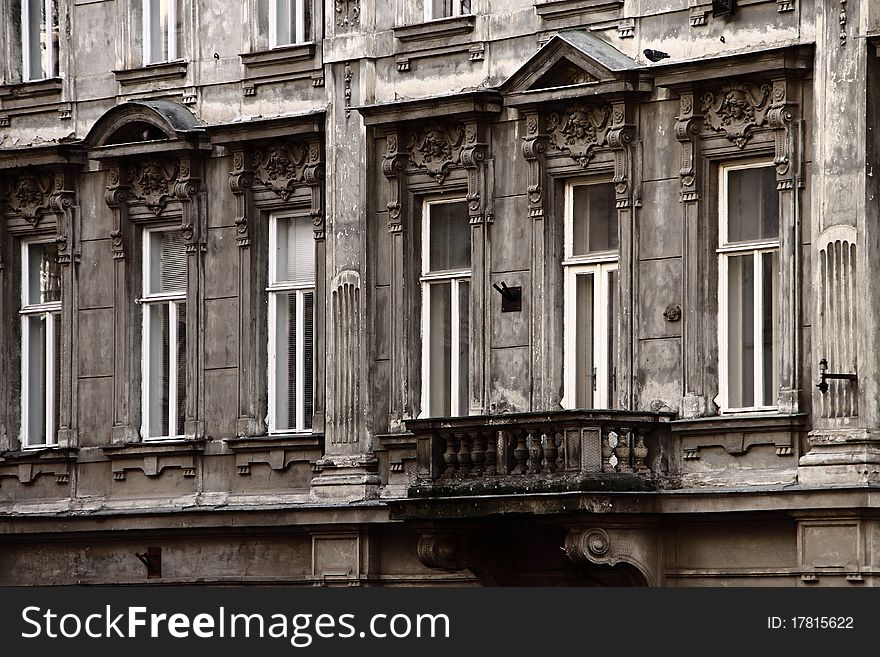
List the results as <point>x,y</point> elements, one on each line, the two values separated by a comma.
<point>39,39</point>
<point>446,8</point>
<point>40,333</point>
<point>291,323</point>
<point>591,306</point>
<point>748,280</point>
<point>164,333</point>
<point>446,272</point>
<point>162,27</point>
<point>288,22</point>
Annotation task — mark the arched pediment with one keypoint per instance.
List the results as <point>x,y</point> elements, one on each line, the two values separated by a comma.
<point>574,63</point>
<point>163,124</point>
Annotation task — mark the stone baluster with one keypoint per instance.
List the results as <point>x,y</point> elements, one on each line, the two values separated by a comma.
<point>491,466</point>
<point>521,453</point>
<point>464,454</point>
<point>640,452</point>
<point>622,451</point>
<point>478,453</point>
<point>449,456</point>
<point>607,451</point>
<point>536,454</point>
<point>551,452</point>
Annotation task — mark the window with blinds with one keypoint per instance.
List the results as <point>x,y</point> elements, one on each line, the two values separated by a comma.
<point>40,344</point>
<point>164,333</point>
<point>291,323</point>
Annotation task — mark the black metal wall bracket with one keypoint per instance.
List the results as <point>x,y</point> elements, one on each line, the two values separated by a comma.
<point>511,297</point>
<point>825,376</point>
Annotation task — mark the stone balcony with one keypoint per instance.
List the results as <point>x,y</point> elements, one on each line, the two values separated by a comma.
<point>557,451</point>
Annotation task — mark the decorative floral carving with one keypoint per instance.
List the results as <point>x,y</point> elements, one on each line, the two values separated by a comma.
<point>436,148</point>
<point>736,110</point>
<point>29,196</point>
<point>152,182</point>
<point>348,13</point>
<point>579,130</point>
<point>283,166</point>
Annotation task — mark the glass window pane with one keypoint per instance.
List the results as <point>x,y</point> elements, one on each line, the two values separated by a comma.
<point>450,236</point>
<point>180,411</point>
<point>463,348</point>
<point>308,358</point>
<point>44,273</point>
<point>612,338</point>
<point>740,327</point>
<point>584,358</point>
<point>35,360</point>
<point>440,349</point>
<point>285,353</point>
<point>294,251</point>
<point>770,282</point>
<point>157,30</point>
<point>753,204</point>
<point>441,8</point>
<point>594,219</point>
<point>156,369</point>
<point>284,22</point>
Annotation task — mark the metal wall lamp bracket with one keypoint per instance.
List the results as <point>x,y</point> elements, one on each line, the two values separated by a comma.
<point>825,375</point>
<point>511,297</point>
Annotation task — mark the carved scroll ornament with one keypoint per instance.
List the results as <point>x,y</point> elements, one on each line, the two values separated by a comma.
<point>436,148</point>
<point>736,110</point>
<point>152,181</point>
<point>579,130</point>
<point>29,195</point>
<point>284,166</point>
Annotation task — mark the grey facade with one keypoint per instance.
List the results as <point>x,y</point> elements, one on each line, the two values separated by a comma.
<point>699,463</point>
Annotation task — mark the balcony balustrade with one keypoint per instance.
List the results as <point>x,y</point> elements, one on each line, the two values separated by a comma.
<point>545,451</point>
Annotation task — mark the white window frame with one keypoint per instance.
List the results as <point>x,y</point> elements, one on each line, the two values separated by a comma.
<point>28,311</point>
<point>147,32</point>
<point>456,10</point>
<point>300,289</point>
<point>150,299</point>
<point>725,250</point>
<point>601,264</point>
<point>51,55</point>
<point>299,8</point>
<point>455,277</point>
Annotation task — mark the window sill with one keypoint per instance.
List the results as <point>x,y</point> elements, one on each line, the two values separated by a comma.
<point>436,29</point>
<point>153,458</point>
<point>554,9</point>
<point>749,421</point>
<point>278,451</point>
<point>30,463</point>
<point>295,62</point>
<point>152,73</point>
<point>33,89</point>
<point>737,433</point>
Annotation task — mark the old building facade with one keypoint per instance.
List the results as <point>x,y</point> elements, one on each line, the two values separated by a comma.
<point>431,292</point>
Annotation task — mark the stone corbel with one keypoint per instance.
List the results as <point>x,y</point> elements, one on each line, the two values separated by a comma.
<point>534,147</point>
<point>116,196</point>
<point>637,547</point>
<point>153,459</point>
<point>313,176</point>
<point>57,464</point>
<point>186,190</point>
<point>473,156</point>
<point>241,180</point>
<point>780,118</point>
<point>688,127</point>
<point>393,165</point>
<point>620,140</point>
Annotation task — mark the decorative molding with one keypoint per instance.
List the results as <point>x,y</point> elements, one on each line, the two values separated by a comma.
<point>626,29</point>
<point>241,182</point>
<point>4,121</point>
<point>843,19</point>
<point>347,76</point>
<point>151,73</point>
<point>785,5</point>
<point>688,127</point>
<point>736,109</point>
<point>473,154</point>
<point>152,181</point>
<point>560,9</point>
<point>436,29</point>
<point>190,96</point>
<point>403,64</point>
<point>436,148</point>
<point>579,130</point>
<point>595,545</point>
<point>348,14</point>
<point>477,52</point>
<point>343,381</point>
<point>441,551</point>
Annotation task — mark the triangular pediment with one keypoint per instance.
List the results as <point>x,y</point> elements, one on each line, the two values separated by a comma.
<point>572,59</point>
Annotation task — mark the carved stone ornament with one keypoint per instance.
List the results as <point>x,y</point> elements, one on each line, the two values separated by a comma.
<point>348,13</point>
<point>152,181</point>
<point>284,166</point>
<point>579,130</point>
<point>436,148</point>
<point>736,110</point>
<point>29,196</point>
